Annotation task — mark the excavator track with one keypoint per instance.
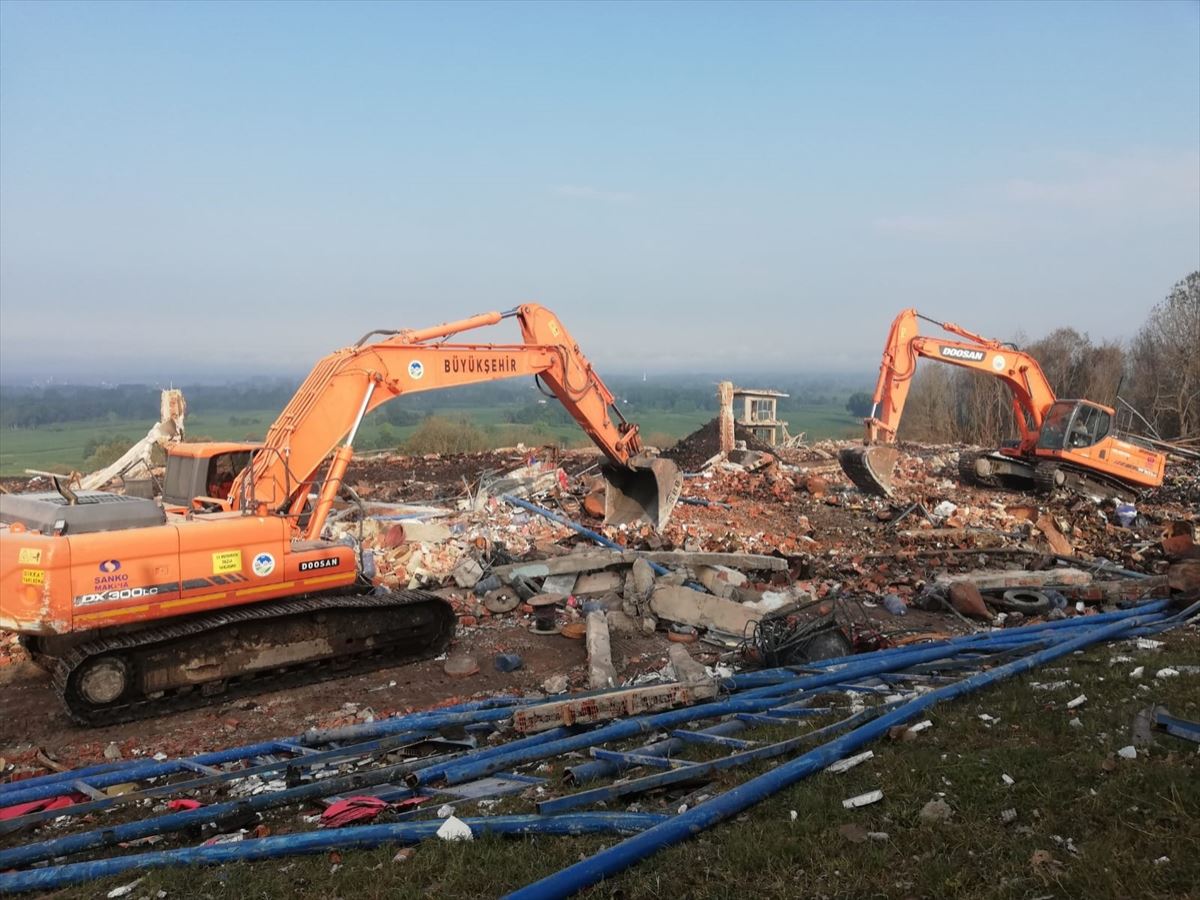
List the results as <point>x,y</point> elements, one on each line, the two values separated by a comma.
<point>193,662</point>
<point>1049,477</point>
<point>968,470</point>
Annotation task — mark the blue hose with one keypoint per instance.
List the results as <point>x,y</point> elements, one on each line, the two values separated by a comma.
<point>679,828</point>
<point>359,837</point>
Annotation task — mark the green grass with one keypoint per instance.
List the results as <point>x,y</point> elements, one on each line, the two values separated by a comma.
<point>60,447</point>
<point>1120,816</point>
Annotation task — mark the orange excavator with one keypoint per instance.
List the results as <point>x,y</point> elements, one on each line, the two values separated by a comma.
<point>1070,444</point>
<point>231,584</point>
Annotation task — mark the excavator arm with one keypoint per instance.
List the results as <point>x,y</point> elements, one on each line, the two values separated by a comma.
<point>1031,392</point>
<point>324,415</point>
<point>870,466</point>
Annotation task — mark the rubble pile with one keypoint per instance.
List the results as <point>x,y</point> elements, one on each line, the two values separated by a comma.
<point>769,558</point>
<point>692,452</point>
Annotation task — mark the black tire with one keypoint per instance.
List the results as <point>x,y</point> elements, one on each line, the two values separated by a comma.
<point>1030,603</point>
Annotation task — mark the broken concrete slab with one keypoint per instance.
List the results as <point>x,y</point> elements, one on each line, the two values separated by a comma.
<point>585,710</point>
<point>601,672</point>
<point>685,668</point>
<point>559,584</point>
<point>1002,579</point>
<point>596,560</point>
<point>688,607</point>
<point>597,583</point>
<point>721,580</point>
<point>467,573</point>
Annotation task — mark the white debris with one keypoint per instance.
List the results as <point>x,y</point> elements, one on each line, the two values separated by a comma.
<point>1051,685</point>
<point>1129,752</point>
<point>124,889</point>
<point>1147,644</point>
<point>850,762</point>
<point>863,799</point>
<point>1166,673</point>
<point>159,757</point>
<point>1008,816</point>
<point>944,509</point>
<point>445,811</point>
<point>1162,860</point>
<point>920,726</point>
<point>878,836</point>
<point>1008,780</point>
<point>1138,672</point>
<point>794,815</point>
<point>455,829</point>
<point>1077,702</point>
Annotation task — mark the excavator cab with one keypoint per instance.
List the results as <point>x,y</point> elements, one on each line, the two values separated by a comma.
<point>1079,443</point>
<point>1073,425</point>
<point>204,470</point>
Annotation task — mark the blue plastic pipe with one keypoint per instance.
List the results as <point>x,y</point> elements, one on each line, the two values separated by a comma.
<point>356,837</point>
<point>679,828</point>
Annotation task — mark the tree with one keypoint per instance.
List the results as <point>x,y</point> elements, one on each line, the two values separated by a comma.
<point>859,404</point>
<point>1166,363</point>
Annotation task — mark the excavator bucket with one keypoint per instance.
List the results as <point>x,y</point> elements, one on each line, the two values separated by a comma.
<point>644,491</point>
<point>870,468</point>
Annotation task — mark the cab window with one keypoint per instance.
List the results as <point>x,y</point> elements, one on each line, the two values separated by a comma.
<point>1089,426</point>
<point>1054,426</point>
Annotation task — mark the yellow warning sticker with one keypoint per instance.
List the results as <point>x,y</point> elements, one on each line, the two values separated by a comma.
<point>29,556</point>
<point>33,576</point>
<point>227,561</point>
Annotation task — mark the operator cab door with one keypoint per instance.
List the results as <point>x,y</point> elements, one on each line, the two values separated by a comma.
<point>1074,426</point>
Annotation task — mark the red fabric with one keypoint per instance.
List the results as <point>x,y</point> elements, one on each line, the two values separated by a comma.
<point>183,804</point>
<point>24,809</point>
<point>352,809</point>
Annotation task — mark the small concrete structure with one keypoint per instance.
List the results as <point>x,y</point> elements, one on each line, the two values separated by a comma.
<point>755,409</point>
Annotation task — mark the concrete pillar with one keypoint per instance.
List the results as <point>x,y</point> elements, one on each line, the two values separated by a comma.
<point>725,415</point>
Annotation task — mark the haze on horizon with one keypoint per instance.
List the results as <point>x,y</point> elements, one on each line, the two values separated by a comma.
<point>237,189</point>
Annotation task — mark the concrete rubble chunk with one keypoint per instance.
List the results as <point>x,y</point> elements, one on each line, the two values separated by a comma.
<point>936,810</point>
<point>613,705</point>
<point>990,579</point>
<point>467,573</point>
<point>685,668</point>
<point>597,583</point>
<point>601,673</point>
<point>688,607</point>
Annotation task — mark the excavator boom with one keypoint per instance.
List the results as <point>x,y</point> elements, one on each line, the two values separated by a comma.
<point>344,386</point>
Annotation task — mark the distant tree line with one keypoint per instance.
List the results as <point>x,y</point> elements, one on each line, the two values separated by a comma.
<point>1158,374</point>
<point>47,406</point>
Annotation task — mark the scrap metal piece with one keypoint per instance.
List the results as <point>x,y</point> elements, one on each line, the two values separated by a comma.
<point>870,468</point>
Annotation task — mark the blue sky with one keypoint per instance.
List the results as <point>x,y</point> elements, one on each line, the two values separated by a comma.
<point>234,188</point>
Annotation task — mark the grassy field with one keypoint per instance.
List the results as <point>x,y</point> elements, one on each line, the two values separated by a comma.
<point>1111,827</point>
<point>61,447</point>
